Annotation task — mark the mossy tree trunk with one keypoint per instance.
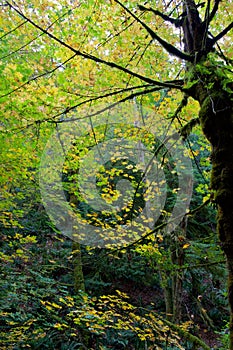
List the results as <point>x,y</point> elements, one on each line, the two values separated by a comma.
<point>216,118</point>
<point>79,284</point>
<point>78,271</point>
<point>172,279</point>
<point>210,87</point>
<point>178,257</point>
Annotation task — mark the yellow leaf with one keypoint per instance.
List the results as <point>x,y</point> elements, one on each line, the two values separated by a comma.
<point>186,245</point>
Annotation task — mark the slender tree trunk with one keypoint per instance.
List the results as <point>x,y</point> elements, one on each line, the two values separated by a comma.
<point>168,298</point>
<point>172,284</point>
<point>78,271</point>
<point>177,284</point>
<point>177,257</point>
<point>172,280</point>
<point>77,260</point>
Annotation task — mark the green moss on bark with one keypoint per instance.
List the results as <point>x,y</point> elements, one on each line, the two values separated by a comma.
<point>78,271</point>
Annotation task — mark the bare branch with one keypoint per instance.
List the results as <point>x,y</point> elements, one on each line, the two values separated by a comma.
<point>168,47</point>
<point>97,59</point>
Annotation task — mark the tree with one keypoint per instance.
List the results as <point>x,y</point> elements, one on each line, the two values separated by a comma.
<point>201,60</point>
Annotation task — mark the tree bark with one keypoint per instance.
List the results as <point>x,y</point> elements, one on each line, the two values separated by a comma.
<point>216,119</point>
<point>178,256</point>
<point>214,93</point>
<point>172,280</point>
<point>79,284</point>
<point>78,271</point>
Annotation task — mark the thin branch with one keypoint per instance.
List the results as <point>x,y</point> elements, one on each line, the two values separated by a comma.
<point>140,57</point>
<point>97,59</point>
<point>186,130</point>
<point>183,333</point>
<point>111,37</point>
<point>166,18</point>
<point>21,47</point>
<point>195,210</point>
<point>214,10</point>
<point>156,229</point>
<point>179,109</point>
<point>206,25</point>
<point>176,21</point>
<point>69,109</point>
<point>144,51</point>
<point>33,39</point>
<point>111,90</point>
<point>127,98</point>
<point>37,77</point>
<point>168,47</point>
<point>220,52</point>
<point>13,30</point>
<point>190,267</point>
<point>221,35</point>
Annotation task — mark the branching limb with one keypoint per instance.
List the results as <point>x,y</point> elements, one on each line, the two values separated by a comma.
<point>13,30</point>
<point>200,207</point>
<point>109,107</point>
<point>220,52</point>
<point>176,21</point>
<point>97,59</point>
<point>56,120</point>
<point>159,228</point>
<point>206,25</point>
<point>182,104</point>
<point>168,47</point>
<point>214,10</point>
<point>37,77</point>
<point>221,35</point>
<point>208,18</point>
<point>197,342</point>
<point>187,128</point>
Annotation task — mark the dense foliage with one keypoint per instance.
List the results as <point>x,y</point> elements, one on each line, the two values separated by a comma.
<point>77,76</point>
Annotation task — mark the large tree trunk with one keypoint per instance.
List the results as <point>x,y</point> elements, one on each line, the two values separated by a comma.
<point>214,94</point>
<point>216,117</point>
